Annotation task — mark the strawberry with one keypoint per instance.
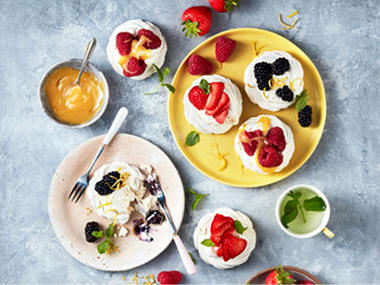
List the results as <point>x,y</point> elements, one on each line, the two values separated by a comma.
<point>154,41</point>
<point>197,65</point>
<point>232,246</point>
<point>216,91</point>
<point>219,226</point>
<point>224,101</point>
<point>276,138</point>
<point>124,42</point>
<point>224,48</point>
<point>169,277</point>
<point>134,67</point>
<point>220,117</point>
<point>305,282</point>
<point>224,5</point>
<point>197,97</point>
<point>269,157</point>
<point>196,21</point>
<point>279,276</point>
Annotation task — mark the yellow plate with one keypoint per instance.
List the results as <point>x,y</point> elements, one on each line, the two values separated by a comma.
<point>202,155</point>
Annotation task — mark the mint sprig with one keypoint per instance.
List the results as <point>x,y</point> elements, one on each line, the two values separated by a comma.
<point>107,244</point>
<point>197,197</point>
<point>301,100</point>
<point>294,206</point>
<point>162,73</point>
<point>192,138</point>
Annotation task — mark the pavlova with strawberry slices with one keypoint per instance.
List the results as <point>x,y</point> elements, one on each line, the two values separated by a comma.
<point>225,238</point>
<point>213,104</point>
<point>134,47</point>
<point>264,144</point>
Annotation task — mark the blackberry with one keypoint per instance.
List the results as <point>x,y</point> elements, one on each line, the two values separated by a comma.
<point>154,217</point>
<point>304,116</point>
<point>285,93</point>
<point>263,73</point>
<point>280,66</point>
<point>103,187</point>
<point>90,227</point>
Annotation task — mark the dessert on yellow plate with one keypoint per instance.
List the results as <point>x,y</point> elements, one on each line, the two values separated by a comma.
<point>264,144</point>
<point>213,104</point>
<point>73,104</point>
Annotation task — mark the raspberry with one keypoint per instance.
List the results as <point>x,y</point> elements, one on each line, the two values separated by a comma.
<point>269,157</point>
<point>285,94</point>
<point>124,42</point>
<point>169,277</point>
<point>224,47</point>
<point>154,41</point>
<point>197,65</point>
<point>89,228</point>
<point>263,73</point>
<point>275,137</point>
<point>305,116</point>
<point>251,148</point>
<point>280,66</point>
<point>103,187</point>
<point>134,67</point>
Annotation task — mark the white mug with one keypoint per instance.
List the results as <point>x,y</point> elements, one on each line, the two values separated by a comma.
<point>326,214</point>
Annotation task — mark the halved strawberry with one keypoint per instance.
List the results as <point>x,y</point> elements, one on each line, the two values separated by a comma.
<point>219,226</point>
<point>124,42</point>
<point>219,252</point>
<point>134,67</point>
<point>226,251</point>
<point>197,97</point>
<point>216,91</point>
<point>235,245</point>
<point>276,138</point>
<point>225,100</point>
<point>154,41</point>
<point>220,117</point>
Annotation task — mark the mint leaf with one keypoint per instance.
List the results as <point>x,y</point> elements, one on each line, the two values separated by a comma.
<point>192,258</point>
<point>301,100</point>
<point>314,204</point>
<point>159,73</point>
<point>290,212</point>
<point>97,234</point>
<point>169,86</point>
<point>104,246</point>
<point>110,230</point>
<point>192,138</point>
<point>207,242</point>
<point>166,71</point>
<point>205,86</point>
<point>197,197</point>
<point>239,227</point>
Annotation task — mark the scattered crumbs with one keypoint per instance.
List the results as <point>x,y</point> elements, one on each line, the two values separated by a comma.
<point>148,279</point>
<point>123,277</point>
<point>89,211</point>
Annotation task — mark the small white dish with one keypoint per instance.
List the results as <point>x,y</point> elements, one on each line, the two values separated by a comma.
<point>326,214</point>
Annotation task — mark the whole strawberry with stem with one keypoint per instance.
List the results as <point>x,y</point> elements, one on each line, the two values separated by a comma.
<point>223,6</point>
<point>279,276</point>
<point>196,21</point>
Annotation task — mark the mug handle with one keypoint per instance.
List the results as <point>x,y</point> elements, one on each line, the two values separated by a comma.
<point>328,233</point>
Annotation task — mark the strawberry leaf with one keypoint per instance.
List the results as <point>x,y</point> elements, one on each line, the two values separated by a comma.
<point>229,5</point>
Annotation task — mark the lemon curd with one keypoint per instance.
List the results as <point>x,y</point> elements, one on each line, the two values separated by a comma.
<point>73,104</point>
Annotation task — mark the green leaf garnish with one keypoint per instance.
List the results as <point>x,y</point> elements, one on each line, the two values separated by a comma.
<point>207,242</point>
<point>162,73</point>
<point>290,213</point>
<point>205,86</point>
<point>301,100</point>
<point>110,230</point>
<point>192,258</point>
<point>192,138</point>
<point>104,246</point>
<point>314,204</point>
<point>197,197</point>
<point>97,234</point>
<point>239,227</point>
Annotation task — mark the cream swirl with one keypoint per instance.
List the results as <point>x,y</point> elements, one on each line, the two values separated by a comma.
<point>253,124</point>
<point>205,123</point>
<point>208,254</point>
<point>293,78</point>
<point>133,26</point>
<point>118,205</point>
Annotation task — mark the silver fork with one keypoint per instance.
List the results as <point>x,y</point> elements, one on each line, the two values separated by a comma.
<point>82,182</point>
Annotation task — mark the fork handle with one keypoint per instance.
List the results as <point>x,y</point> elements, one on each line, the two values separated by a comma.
<point>116,124</point>
<point>185,256</point>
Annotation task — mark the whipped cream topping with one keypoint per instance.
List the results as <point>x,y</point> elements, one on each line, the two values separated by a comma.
<point>208,254</point>
<point>293,78</point>
<point>121,203</point>
<point>133,26</point>
<point>205,123</point>
<point>253,124</point>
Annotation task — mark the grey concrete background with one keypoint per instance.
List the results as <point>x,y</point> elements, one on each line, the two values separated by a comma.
<point>341,37</point>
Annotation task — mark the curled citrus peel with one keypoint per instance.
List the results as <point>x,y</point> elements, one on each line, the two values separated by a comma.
<point>250,86</point>
<point>264,94</point>
<point>286,26</point>
<point>292,14</point>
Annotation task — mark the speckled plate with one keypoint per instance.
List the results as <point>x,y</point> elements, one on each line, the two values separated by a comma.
<point>202,156</point>
<point>69,219</point>
<point>297,273</point>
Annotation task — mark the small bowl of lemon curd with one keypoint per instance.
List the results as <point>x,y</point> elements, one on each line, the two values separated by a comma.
<point>78,105</point>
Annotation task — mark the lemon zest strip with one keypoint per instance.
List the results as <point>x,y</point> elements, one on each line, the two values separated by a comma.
<point>292,14</point>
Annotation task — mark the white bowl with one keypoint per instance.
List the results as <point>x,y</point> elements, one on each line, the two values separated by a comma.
<point>74,63</point>
<point>326,212</point>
